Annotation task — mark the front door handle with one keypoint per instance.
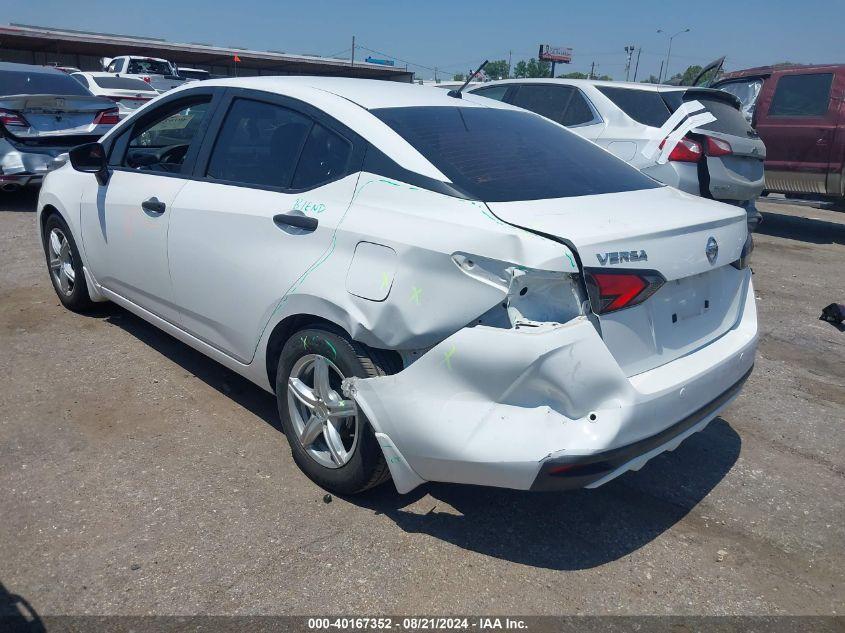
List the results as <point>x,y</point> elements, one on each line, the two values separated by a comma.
<point>153,205</point>
<point>299,221</point>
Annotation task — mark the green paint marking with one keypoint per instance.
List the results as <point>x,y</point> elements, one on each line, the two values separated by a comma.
<point>415,295</point>
<point>448,357</point>
<point>334,351</point>
<point>385,281</point>
<point>304,342</point>
<point>569,257</point>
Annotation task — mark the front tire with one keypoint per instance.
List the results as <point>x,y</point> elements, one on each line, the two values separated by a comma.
<point>64,265</point>
<point>331,440</point>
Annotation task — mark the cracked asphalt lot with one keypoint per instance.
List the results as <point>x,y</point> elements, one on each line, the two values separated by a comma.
<point>139,477</point>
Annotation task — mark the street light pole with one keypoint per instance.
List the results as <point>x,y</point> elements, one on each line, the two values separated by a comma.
<point>669,52</point>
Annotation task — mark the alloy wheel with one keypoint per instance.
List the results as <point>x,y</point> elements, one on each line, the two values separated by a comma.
<point>61,261</point>
<point>326,424</point>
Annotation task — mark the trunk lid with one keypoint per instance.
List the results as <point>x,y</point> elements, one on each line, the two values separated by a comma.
<point>668,231</point>
<point>55,115</point>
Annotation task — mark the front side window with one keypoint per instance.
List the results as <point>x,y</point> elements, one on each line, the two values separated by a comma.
<point>259,144</point>
<point>644,106</point>
<point>499,155</point>
<point>162,144</point>
<point>547,101</point>
<point>802,95</point>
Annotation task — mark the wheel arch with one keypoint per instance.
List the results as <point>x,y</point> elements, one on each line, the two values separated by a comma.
<point>288,326</point>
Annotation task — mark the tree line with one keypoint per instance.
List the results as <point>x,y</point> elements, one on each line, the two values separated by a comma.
<point>536,68</point>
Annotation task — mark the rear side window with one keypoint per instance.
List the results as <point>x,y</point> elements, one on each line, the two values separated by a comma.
<point>259,144</point>
<point>802,95</point>
<point>499,155</point>
<point>547,101</point>
<point>644,106</point>
<point>493,92</point>
<point>325,157</point>
<point>13,82</point>
<point>579,112</point>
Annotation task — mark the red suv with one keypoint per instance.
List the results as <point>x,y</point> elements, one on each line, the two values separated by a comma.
<point>798,112</point>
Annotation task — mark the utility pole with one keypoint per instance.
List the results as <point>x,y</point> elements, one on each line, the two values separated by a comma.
<point>510,55</point>
<point>592,68</point>
<point>353,51</point>
<point>660,74</point>
<point>435,74</point>
<point>629,52</point>
<point>637,65</point>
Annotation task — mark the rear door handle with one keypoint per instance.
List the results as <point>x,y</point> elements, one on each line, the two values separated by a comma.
<point>153,205</point>
<point>299,221</point>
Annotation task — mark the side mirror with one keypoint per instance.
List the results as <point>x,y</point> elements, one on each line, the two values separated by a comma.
<point>91,159</point>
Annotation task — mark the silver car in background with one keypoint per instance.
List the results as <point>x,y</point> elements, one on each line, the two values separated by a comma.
<point>714,152</point>
<point>43,114</point>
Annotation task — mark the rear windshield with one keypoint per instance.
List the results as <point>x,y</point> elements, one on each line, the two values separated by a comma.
<point>13,82</point>
<point>149,67</point>
<point>729,119</point>
<point>123,83</point>
<point>644,106</point>
<point>498,155</point>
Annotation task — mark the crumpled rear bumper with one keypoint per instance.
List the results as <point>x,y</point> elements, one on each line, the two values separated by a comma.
<point>502,407</point>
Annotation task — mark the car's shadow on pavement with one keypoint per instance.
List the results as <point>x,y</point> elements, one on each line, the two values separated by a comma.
<point>804,229</point>
<point>233,386</point>
<point>576,529</point>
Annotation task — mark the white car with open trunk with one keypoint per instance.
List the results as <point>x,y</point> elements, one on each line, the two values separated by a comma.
<point>435,288</point>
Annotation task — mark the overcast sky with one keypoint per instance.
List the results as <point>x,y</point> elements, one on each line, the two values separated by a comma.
<point>455,35</point>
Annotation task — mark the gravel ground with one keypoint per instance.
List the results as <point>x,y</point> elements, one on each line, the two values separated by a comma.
<point>139,477</point>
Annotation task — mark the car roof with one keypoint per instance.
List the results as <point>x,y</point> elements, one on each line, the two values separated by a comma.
<point>29,68</point>
<point>777,68</point>
<point>369,94</point>
<point>587,82</point>
<point>350,101</point>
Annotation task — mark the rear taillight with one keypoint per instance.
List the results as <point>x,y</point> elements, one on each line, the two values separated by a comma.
<point>147,79</point>
<point>107,117</point>
<point>716,147</point>
<point>618,289</point>
<point>686,151</point>
<point>10,118</point>
<point>744,260</point>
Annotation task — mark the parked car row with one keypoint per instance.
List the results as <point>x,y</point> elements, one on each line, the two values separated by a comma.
<point>799,113</point>
<point>44,113</point>
<point>434,288</point>
<point>720,159</point>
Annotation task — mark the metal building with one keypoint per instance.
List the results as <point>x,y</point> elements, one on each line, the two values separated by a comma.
<point>40,45</point>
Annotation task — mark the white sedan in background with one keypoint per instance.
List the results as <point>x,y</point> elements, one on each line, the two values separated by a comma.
<point>434,288</point>
<point>127,92</point>
<point>695,139</point>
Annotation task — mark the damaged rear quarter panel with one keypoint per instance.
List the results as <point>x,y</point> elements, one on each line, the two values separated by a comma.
<point>429,296</point>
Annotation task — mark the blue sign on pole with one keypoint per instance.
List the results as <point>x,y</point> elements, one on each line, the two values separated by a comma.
<point>383,62</point>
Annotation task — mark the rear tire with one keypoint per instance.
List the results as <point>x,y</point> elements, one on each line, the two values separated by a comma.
<point>337,452</point>
<point>64,265</point>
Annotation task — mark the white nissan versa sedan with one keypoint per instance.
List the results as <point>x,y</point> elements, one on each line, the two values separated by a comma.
<point>412,277</point>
